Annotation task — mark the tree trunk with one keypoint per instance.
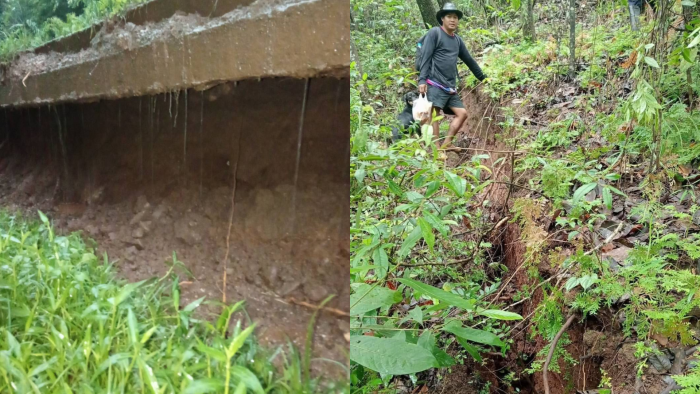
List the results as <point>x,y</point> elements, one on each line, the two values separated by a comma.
<point>529,23</point>
<point>427,10</point>
<point>355,56</point>
<point>687,17</point>
<point>572,39</point>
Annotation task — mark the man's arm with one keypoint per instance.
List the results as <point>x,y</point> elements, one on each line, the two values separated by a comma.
<point>428,50</point>
<point>470,62</point>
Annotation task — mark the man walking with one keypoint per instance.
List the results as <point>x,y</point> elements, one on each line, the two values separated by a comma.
<point>438,69</point>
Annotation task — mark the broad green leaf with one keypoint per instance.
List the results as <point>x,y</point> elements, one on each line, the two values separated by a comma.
<point>381,260</point>
<point>443,359</point>
<point>455,183</point>
<point>416,314</point>
<point>42,367</point>
<point>427,340</point>
<point>583,190</point>
<point>390,356</point>
<point>571,283</point>
<point>12,344</point>
<point>394,188</point>
<point>404,207</point>
<point>651,61</point>
<point>432,188</point>
<point>216,354</point>
<point>201,386</point>
<point>607,197</point>
<point>434,292</point>
<point>43,218</point>
<point>427,231</point>
<point>414,197</point>
<point>473,335</point>
<point>588,281</point>
<point>472,350</point>
<point>133,327</point>
<point>193,305</point>
<point>113,359</point>
<point>5,284</point>
<point>616,191</point>
<point>125,293</point>
<point>147,371</point>
<point>238,341</point>
<point>148,335</point>
<point>500,315</point>
<point>363,268</point>
<point>244,375</point>
<point>176,294</point>
<point>19,310</point>
<point>367,299</point>
<point>360,174</point>
<point>410,241</point>
<point>436,223</point>
<point>240,389</point>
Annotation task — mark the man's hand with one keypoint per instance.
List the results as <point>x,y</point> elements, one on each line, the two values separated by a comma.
<point>422,89</point>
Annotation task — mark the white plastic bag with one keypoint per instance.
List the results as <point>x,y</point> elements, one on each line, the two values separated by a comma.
<point>422,108</point>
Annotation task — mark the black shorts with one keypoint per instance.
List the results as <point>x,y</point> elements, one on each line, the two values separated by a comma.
<point>443,100</point>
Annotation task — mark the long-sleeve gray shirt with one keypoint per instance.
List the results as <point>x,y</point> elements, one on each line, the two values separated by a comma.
<point>439,61</point>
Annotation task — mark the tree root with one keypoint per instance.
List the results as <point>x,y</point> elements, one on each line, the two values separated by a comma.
<point>566,325</point>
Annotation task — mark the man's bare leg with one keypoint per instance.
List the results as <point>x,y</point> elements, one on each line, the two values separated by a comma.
<point>436,133</point>
<point>455,125</point>
<point>436,127</point>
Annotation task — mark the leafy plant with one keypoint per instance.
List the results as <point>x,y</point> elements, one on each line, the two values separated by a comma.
<point>68,325</point>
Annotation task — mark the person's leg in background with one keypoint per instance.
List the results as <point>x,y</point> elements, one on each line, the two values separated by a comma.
<point>439,100</point>
<point>436,130</point>
<point>635,7</point>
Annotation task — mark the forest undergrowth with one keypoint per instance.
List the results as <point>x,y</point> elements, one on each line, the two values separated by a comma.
<point>602,195</point>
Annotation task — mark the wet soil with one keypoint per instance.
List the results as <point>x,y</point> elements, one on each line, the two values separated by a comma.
<point>147,177</point>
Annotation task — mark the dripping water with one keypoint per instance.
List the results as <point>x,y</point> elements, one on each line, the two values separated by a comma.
<point>177,106</point>
<point>63,147</point>
<point>201,144</point>
<point>140,143</point>
<point>151,111</point>
<point>296,167</point>
<point>184,145</point>
<point>343,210</point>
<point>7,129</point>
<point>90,159</point>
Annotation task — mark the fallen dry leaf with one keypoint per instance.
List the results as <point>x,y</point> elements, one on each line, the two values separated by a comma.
<point>619,254</point>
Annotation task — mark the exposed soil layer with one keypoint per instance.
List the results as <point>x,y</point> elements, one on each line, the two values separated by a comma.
<point>258,39</point>
<point>148,176</point>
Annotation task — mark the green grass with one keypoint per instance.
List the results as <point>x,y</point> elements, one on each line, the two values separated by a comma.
<point>27,25</point>
<point>68,325</point>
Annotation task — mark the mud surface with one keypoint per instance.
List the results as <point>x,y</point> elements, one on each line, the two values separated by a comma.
<point>148,176</point>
